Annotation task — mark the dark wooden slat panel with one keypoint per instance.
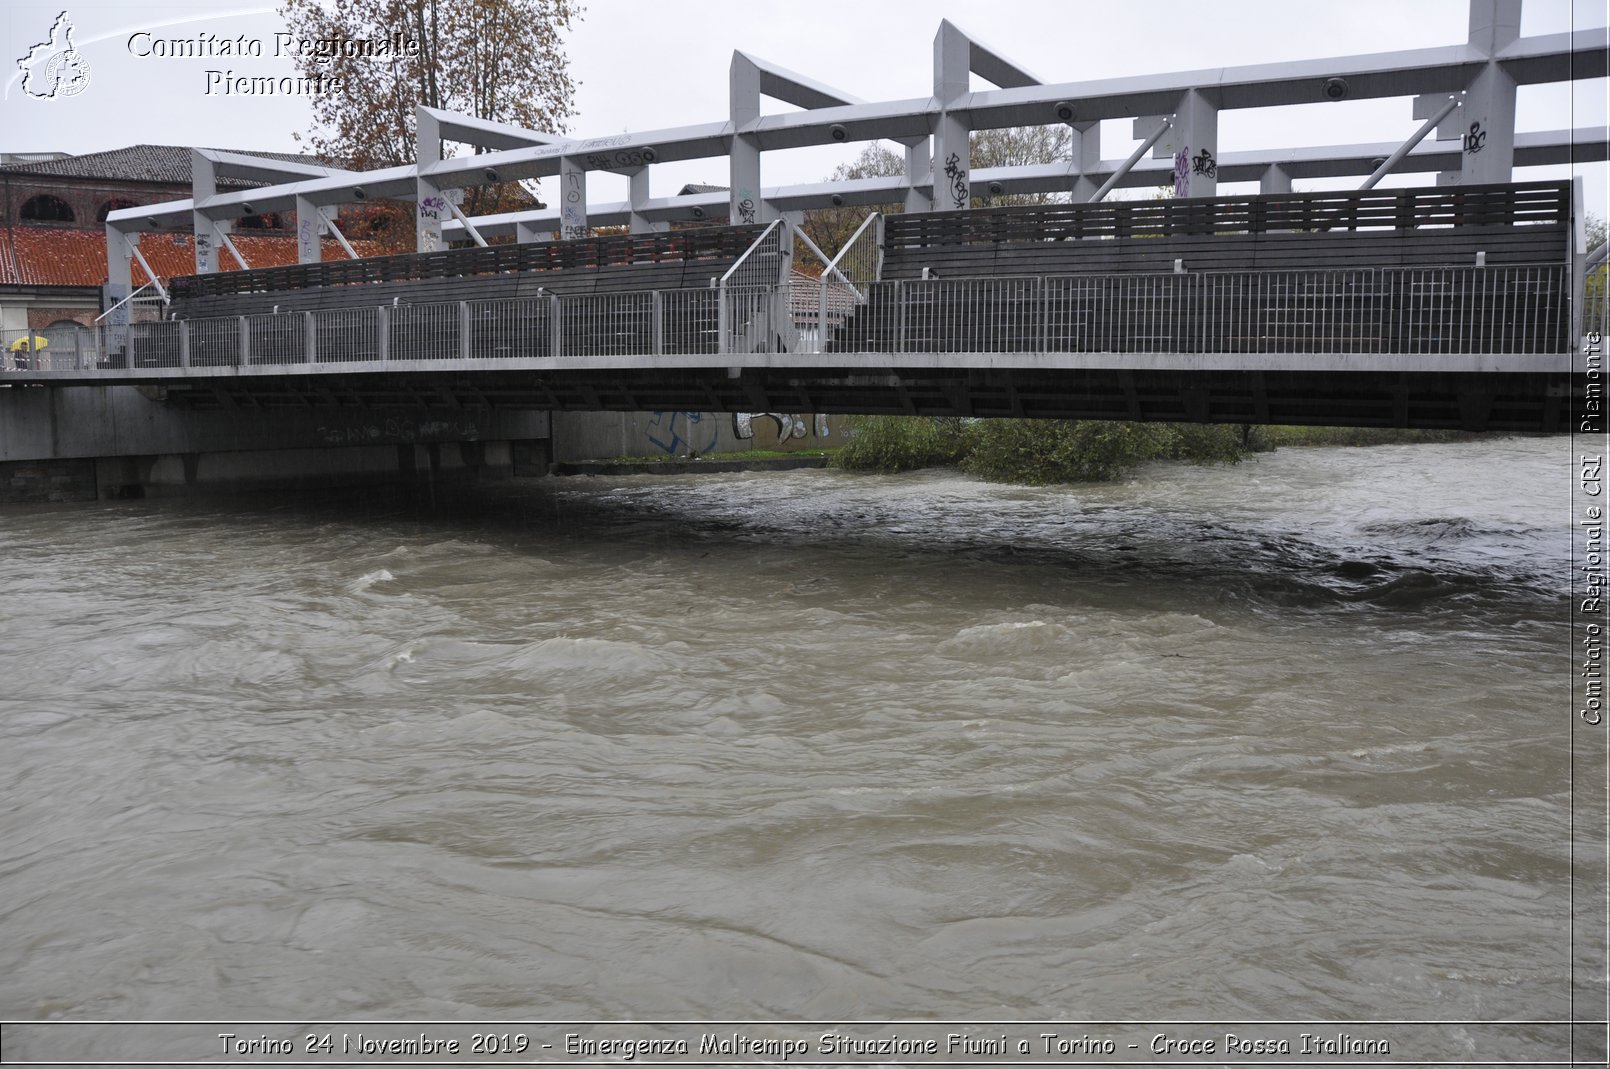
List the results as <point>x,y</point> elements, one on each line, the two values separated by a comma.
<point>709,244</point>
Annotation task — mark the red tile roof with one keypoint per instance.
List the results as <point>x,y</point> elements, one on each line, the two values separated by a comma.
<point>59,256</point>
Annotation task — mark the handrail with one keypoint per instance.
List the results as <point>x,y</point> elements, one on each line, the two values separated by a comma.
<point>121,303</point>
<point>817,249</point>
<point>1446,310</point>
<point>850,244</point>
<point>775,223</point>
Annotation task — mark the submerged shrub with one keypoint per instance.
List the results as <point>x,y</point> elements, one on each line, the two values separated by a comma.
<point>1279,436</point>
<point>1039,451</point>
<point>1035,451</point>
<point>900,443</point>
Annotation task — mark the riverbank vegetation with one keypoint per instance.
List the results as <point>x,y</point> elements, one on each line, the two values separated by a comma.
<point>1038,451</point>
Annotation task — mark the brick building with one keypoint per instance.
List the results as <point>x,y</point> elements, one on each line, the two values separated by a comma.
<point>53,244</point>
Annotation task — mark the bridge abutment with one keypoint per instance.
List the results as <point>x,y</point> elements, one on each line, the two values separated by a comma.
<point>84,443</point>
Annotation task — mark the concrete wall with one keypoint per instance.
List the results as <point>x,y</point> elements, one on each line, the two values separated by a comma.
<point>140,445</point>
<point>136,445</point>
<point>37,422</point>
<point>41,481</point>
<point>604,435</point>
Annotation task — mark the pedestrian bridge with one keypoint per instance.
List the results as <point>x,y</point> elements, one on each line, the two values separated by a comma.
<point>1434,307</point>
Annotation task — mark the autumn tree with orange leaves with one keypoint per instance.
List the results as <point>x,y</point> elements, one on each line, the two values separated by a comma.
<point>502,60</point>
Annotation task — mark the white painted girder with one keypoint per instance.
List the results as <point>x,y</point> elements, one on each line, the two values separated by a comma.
<point>1529,60</point>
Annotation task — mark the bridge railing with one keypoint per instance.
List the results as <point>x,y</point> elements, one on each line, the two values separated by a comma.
<point>1510,309</point>
<point>1445,310</point>
<point>679,322</point>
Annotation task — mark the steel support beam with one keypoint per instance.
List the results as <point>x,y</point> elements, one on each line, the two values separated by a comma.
<point>1488,125</point>
<point>638,192</point>
<point>204,186</point>
<point>952,158</point>
<point>430,206</point>
<point>1274,180</point>
<point>572,199</point>
<point>743,160</point>
<point>1196,146</point>
<point>309,224</point>
<point>1084,145</point>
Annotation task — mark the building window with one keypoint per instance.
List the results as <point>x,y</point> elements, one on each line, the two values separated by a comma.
<point>46,209</point>
<point>113,205</point>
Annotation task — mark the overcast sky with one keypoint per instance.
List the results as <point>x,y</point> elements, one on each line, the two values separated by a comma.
<point>649,65</point>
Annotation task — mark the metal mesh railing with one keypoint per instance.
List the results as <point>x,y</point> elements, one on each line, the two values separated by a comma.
<point>1431,310</point>
<point>1521,309</point>
<point>276,339</point>
<point>756,319</point>
<point>692,324</point>
<point>214,342</point>
<point>607,324</point>
<point>754,302</point>
<point>1596,303</point>
<point>423,332</point>
<point>504,329</point>
<point>344,335</point>
<point>155,345</point>
<point>50,349</point>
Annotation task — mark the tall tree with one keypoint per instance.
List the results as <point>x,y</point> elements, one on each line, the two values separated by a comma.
<point>494,59</point>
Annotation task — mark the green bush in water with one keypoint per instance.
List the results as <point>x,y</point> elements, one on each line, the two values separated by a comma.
<point>900,443</point>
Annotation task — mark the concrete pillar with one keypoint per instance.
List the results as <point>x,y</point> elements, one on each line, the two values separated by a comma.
<point>1085,154</point>
<point>526,233</point>
<point>953,186</point>
<point>744,204</point>
<point>430,206</point>
<point>203,184</point>
<point>572,199</point>
<point>1274,180</point>
<point>1196,146</point>
<point>638,197</point>
<point>308,227</point>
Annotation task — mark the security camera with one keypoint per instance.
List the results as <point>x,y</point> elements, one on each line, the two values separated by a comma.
<point>247,209</point>
<point>1335,89</point>
<point>1066,111</point>
<point>359,193</point>
<point>649,155</point>
<point>151,221</point>
<point>698,213</point>
<point>1377,163</point>
<point>491,174</point>
<point>996,189</point>
<point>838,201</point>
<point>837,132</point>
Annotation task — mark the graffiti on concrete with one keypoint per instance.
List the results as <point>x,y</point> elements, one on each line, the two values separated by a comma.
<point>788,425</point>
<point>399,431</point>
<point>684,432</point>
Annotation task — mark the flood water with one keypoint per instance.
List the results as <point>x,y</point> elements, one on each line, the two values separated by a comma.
<point>1282,741</point>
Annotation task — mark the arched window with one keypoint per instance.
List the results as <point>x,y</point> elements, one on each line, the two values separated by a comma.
<point>113,205</point>
<point>60,333</point>
<point>47,209</point>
